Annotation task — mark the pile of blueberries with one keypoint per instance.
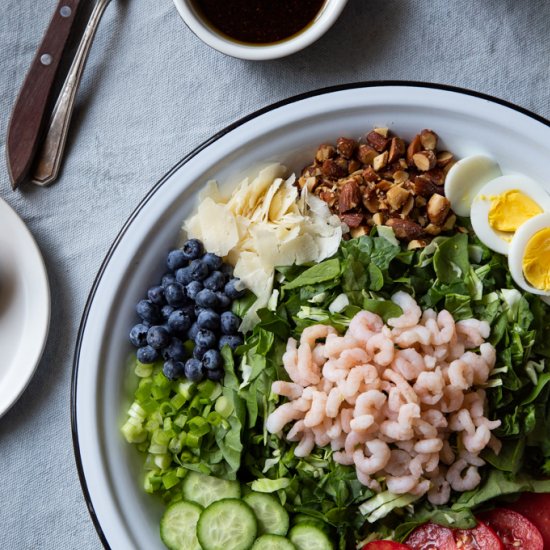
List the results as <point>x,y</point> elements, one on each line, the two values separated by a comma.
<point>186,320</point>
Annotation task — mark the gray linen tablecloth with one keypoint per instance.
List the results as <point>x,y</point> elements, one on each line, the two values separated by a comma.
<point>151,93</point>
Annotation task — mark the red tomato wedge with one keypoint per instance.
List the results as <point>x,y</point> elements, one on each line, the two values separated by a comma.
<point>514,530</point>
<point>480,537</point>
<point>431,536</point>
<point>536,508</point>
<point>385,545</point>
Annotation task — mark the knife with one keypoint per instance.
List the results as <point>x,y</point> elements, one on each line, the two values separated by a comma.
<point>31,110</point>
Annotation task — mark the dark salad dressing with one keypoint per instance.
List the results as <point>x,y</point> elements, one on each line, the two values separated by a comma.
<point>259,21</point>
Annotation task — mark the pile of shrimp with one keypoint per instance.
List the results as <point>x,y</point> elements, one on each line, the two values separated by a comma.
<point>393,400</point>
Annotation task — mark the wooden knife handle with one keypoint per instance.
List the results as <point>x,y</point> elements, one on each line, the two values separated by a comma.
<point>30,112</point>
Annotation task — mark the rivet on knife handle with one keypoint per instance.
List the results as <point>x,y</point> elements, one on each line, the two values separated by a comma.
<point>29,114</point>
<point>48,160</point>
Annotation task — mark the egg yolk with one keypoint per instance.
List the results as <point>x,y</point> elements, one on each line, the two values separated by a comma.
<point>510,209</point>
<point>536,260</point>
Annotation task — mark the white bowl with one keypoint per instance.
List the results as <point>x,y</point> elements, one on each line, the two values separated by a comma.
<point>110,469</point>
<point>322,22</point>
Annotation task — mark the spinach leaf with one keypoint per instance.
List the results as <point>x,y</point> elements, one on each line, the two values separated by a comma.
<point>450,260</point>
<point>325,271</point>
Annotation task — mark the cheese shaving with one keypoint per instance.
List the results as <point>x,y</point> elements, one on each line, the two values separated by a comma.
<point>267,222</point>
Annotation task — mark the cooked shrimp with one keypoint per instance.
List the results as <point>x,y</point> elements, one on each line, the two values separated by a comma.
<point>411,336</point>
<point>334,400</point>
<point>446,328</point>
<point>429,386</point>
<point>463,477</point>
<point>305,446</point>
<point>307,369</point>
<point>477,441</point>
<point>399,462</point>
<point>281,416</point>
<point>311,334</point>
<point>356,377</point>
<point>401,484</point>
<point>472,332</point>
<point>429,446</point>
<point>343,458</point>
<point>317,413</point>
<point>411,311</point>
<point>396,431</point>
<point>379,455</point>
<point>370,402</point>
<point>409,363</point>
<point>287,389</point>
<point>381,348</point>
<point>363,325</point>
<point>335,345</point>
<point>403,386</point>
<point>440,492</point>
<point>461,374</point>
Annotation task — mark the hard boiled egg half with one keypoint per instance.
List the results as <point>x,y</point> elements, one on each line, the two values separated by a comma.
<point>503,206</point>
<point>529,256</point>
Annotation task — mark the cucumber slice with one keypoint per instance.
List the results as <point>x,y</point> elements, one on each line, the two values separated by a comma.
<point>228,524</point>
<point>272,517</point>
<point>309,537</point>
<point>273,542</point>
<point>205,490</point>
<point>178,526</point>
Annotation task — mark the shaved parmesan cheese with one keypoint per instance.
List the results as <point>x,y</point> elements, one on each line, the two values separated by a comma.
<point>267,222</point>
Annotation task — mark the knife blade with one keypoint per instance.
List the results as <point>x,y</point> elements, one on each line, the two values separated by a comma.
<point>31,110</point>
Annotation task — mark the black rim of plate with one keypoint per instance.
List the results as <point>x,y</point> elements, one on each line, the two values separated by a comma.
<point>184,160</point>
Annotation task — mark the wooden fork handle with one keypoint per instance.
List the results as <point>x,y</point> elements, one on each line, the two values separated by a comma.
<point>30,114</point>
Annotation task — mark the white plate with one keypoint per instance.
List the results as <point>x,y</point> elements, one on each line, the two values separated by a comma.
<point>24,306</point>
<point>290,131</point>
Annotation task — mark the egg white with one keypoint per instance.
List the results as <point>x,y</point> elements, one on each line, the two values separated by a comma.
<point>517,250</point>
<point>465,178</point>
<point>499,241</point>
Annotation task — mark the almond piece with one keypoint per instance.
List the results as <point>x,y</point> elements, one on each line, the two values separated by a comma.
<point>350,196</point>
<point>406,230</point>
<point>380,161</point>
<point>352,219</point>
<point>414,147</point>
<point>366,153</point>
<point>328,196</point>
<point>424,187</point>
<point>400,176</point>
<point>428,139</point>
<point>370,175</point>
<point>432,229</point>
<point>417,243</point>
<point>397,196</point>
<point>359,231</point>
<point>424,160</point>
<point>332,169</point>
<point>397,149</point>
<point>438,207</point>
<point>346,147</point>
<point>378,218</point>
<point>377,141</point>
<point>443,158</point>
<point>407,207</point>
<point>449,223</point>
<point>382,131</point>
<point>325,151</point>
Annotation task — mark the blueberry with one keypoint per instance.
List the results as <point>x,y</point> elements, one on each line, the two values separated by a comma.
<point>167,279</point>
<point>198,270</point>
<point>178,322</point>
<point>193,288</point>
<point>223,301</point>
<point>230,322</point>
<point>227,269</point>
<point>212,360</point>
<point>199,351</point>
<point>206,298</point>
<point>156,295</point>
<point>166,311</point>
<point>158,337</point>
<point>175,294</point>
<point>189,310</point>
<point>176,259</point>
<point>148,311</point>
<point>193,370</point>
<point>205,338</point>
<point>173,369</point>
<point>215,375</point>
<point>192,332</point>
<point>192,249</point>
<point>147,354</point>
<point>208,318</point>
<point>215,281</point>
<point>183,275</point>
<point>213,261</point>
<point>138,335</point>
<point>232,340</point>
<point>231,290</point>
<point>175,350</point>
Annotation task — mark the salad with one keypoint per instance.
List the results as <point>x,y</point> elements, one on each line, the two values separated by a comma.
<point>354,357</point>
